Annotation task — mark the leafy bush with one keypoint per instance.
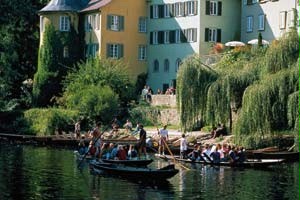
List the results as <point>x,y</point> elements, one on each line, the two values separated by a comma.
<point>97,103</point>
<point>43,122</point>
<point>146,115</point>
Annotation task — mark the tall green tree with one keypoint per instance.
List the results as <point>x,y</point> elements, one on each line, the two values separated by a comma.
<point>53,65</point>
<point>19,38</point>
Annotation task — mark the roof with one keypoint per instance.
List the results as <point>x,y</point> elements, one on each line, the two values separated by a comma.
<point>95,4</point>
<point>65,5</point>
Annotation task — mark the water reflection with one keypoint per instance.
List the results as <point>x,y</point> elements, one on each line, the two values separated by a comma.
<point>28,172</point>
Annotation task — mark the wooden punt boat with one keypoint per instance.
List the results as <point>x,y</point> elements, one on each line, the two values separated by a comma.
<point>136,173</point>
<point>249,163</point>
<point>286,155</point>
<point>137,163</point>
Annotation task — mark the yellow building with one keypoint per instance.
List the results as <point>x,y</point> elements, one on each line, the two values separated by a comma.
<point>112,28</point>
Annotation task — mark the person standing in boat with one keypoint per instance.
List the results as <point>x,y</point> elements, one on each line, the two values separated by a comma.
<point>95,143</point>
<point>183,146</point>
<point>77,130</point>
<point>142,141</point>
<point>164,137</point>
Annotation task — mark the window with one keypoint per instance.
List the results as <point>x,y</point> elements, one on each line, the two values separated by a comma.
<point>115,22</point>
<point>191,35</point>
<point>166,37</point>
<point>142,52</point>
<point>282,20</point>
<point>261,22</point>
<point>179,9</point>
<point>64,23</point>
<point>166,65</point>
<point>249,24</point>
<point>213,8</point>
<point>291,18</point>
<point>42,24</point>
<point>142,24</point>
<point>177,64</point>
<point>177,36</point>
<point>154,37</point>
<point>192,8</point>
<point>156,66</point>
<point>213,35</point>
<point>155,11</point>
<point>115,51</point>
<point>254,1</point>
<point>167,10</point>
<point>92,49</point>
<point>66,52</point>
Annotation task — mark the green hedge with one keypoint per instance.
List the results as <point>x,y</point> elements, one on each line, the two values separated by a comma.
<point>42,122</point>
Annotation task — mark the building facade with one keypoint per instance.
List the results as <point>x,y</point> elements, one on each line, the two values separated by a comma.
<point>271,18</point>
<point>155,36</point>
<point>180,28</point>
<point>113,29</point>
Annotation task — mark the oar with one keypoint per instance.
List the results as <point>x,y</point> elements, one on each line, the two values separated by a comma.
<point>91,145</point>
<point>208,158</point>
<point>175,161</point>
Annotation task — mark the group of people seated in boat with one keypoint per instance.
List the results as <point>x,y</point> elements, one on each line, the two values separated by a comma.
<point>110,151</point>
<point>217,153</point>
<point>118,152</point>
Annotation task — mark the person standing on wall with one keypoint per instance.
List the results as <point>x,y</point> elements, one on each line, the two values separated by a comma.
<point>164,137</point>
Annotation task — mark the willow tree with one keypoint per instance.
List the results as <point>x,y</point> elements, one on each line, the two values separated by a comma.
<point>193,80</point>
<point>265,106</point>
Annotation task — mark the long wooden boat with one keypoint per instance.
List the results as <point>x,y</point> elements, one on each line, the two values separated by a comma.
<point>137,163</point>
<point>249,163</point>
<point>286,155</point>
<point>136,173</point>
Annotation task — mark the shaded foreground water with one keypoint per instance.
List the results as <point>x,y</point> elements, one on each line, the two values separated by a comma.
<point>28,172</point>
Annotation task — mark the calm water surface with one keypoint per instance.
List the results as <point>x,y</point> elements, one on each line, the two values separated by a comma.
<point>28,172</point>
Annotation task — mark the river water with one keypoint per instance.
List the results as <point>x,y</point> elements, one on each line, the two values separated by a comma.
<point>29,172</point>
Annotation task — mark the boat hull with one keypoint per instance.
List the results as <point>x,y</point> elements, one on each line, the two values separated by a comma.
<point>249,163</point>
<point>139,173</point>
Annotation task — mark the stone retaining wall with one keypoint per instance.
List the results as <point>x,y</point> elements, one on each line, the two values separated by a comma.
<point>164,100</point>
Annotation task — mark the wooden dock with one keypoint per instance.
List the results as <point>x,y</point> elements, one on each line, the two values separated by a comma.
<point>57,140</point>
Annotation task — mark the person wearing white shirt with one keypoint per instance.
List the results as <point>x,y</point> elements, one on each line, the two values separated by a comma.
<point>164,136</point>
<point>183,147</point>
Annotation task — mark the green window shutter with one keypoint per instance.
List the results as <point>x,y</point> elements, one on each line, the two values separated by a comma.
<point>151,12</point>
<point>109,21</point>
<point>183,38</point>
<point>121,25</point>
<point>219,8</point>
<point>160,37</point>
<point>160,11</point>
<point>120,51</point>
<point>219,35</point>
<point>206,34</point>
<point>207,8</point>
<point>172,36</point>
<point>151,37</point>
